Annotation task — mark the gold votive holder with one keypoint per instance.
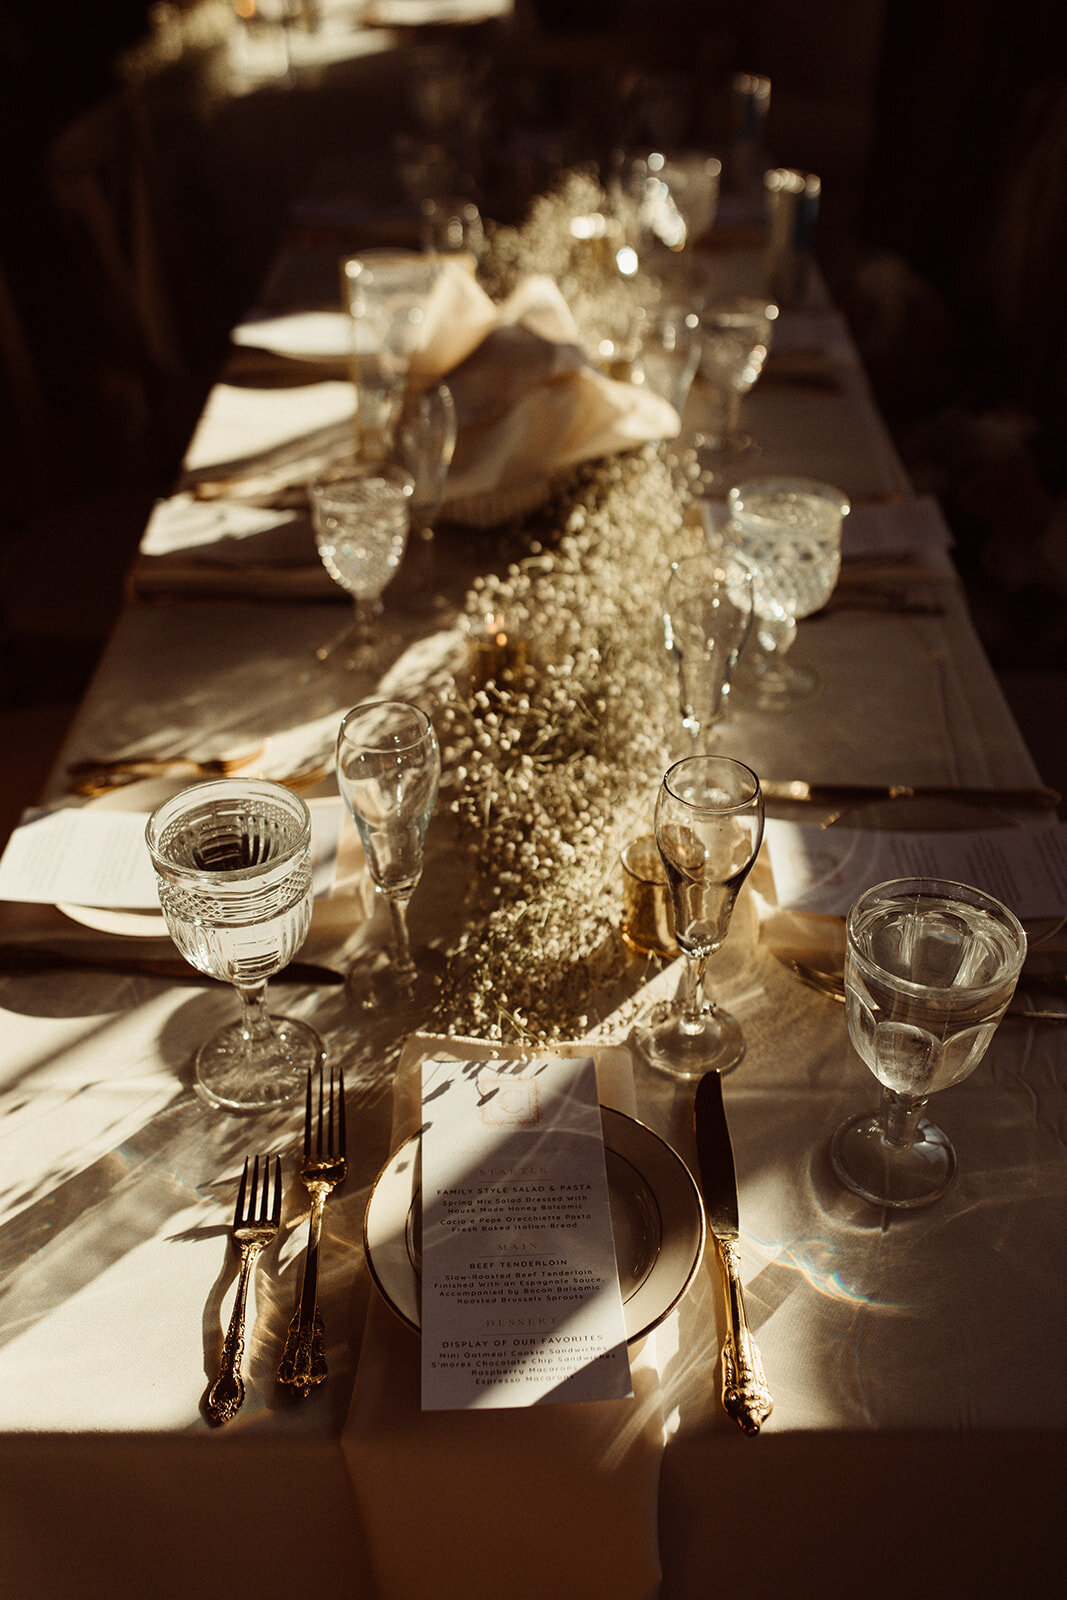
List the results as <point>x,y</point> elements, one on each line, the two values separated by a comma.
<point>497,652</point>
<point>647,921</point>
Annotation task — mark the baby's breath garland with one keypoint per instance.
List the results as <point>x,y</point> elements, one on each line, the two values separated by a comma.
<point>556,770</point>
<point>555,765</point>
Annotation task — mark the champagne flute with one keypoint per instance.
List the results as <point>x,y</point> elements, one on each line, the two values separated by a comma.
<point>233,865</point>
<point>707,610</point>
<point>709,827</point>
<point>388,771</point>
<point>930,966</point>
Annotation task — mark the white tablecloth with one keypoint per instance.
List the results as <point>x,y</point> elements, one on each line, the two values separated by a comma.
<point>915,1361</point>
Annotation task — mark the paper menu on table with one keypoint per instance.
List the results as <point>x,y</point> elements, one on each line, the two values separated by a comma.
<point>520,1291</point>
<point>822,870</point>
<point>94,857</point>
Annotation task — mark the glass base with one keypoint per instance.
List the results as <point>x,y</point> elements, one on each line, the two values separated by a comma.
<point>377,984</point>
<point>892,1175</point>
<point>667,1045</point>
<point>231,1076</point>
<point>778,685</point>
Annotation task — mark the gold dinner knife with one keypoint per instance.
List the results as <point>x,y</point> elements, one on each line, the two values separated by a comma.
<point>745,1395</point>
<point>798,789</point>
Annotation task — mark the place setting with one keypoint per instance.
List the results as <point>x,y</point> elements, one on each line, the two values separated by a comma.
<point>540,837</point>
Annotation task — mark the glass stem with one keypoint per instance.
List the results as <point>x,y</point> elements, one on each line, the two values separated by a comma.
<point>402,959</point>
<point>900,1118</point>
<point>731,415</point>
<point>255,1018</point>
<point>691,992</point>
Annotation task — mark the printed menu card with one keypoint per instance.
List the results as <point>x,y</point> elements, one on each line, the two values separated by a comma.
<point>520,1290</point>
<point>822,870</point>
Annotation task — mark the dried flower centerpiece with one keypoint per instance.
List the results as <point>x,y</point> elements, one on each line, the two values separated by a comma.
<point>555,765</point>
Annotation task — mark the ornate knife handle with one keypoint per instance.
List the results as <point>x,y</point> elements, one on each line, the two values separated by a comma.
<point>745,1395</point>
<point>228,1391</point>
<point>303,1362</point>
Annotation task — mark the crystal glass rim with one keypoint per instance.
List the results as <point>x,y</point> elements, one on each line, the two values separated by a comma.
<point>713,810</point>
<point>354,472</point>
<point>233,789</point>
<point>825,491</point>
<point>946,889</point>
<point>366,706</point>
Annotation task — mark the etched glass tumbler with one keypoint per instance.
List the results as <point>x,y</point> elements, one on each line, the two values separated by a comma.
<point>233,866</point>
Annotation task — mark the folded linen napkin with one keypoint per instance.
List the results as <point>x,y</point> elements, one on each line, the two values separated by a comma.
<point>538,1501</point>
<point>528,404</point>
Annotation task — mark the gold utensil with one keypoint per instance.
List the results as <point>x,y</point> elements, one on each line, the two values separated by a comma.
<point>93,777</point>
<point>255,1223</point>
<point>323,1168</point>
<point>832,793</point>
<point>832,985</point>
<point>745,1395</point>
<point>97,778</point>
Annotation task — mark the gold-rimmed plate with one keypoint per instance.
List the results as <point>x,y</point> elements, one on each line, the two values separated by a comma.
<point>656,1215</point>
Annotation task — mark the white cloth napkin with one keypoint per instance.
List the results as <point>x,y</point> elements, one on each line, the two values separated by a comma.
<point>528,404</point>
<point>527,1503</point>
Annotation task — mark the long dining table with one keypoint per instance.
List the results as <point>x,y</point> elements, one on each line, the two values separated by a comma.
<point>915,1360</point>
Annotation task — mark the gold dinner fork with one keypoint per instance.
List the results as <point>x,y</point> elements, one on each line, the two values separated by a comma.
<point>323,1168</point>
<point>255,1223</point>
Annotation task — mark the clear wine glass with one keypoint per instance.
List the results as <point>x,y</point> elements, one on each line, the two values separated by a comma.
<point>388,771</point>
<point>385,293</point>
<point>789,532</point>
<point>736,332</point>
<point>709,827</point>
<point>423,447</point>
<point>670,354</point>
<point>707,611</point>
<point>930,967</point>
<point>233,865</point>
<point>360,513</point>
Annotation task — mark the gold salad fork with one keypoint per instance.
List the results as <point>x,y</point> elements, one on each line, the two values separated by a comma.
<point>255,1223</point>
<point>323,1168</point>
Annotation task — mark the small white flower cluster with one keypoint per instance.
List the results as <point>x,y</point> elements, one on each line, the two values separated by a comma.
<point>555,764</point>
<point>573,235</point>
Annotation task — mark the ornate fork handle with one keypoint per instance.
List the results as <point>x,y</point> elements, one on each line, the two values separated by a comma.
<point>303,1362</point>
<point>228,1391</point>
<point>745,1395</point>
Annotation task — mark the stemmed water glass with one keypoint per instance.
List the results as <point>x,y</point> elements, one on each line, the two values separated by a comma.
<point>789,532</point>
<point>930,967</point>
<point>388,771</point>
<point>707,610</point>
<point>360,513</point>
<point>709,827</point>
<point>233,866</point>
<point>736,333</point>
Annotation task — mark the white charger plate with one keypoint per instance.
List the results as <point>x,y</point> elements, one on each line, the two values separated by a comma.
<point>656,1214</point>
